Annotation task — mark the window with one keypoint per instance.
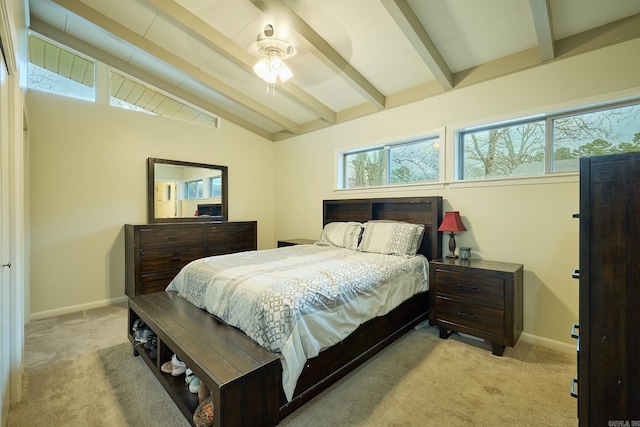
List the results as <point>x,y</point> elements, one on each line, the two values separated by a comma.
<point>58,70</point>
<point>547,145</point>
<point>503,151</point>
<point>194,189</point>
<point>400,163</point>
<point>606,131</point>
<point>130,94</point>
<point>216,186</point>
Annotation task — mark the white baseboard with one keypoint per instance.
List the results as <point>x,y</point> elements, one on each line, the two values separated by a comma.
<point>560,346</point>
<point>75,308</point>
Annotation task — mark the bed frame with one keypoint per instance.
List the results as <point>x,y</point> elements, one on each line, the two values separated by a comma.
<point>246,379</point>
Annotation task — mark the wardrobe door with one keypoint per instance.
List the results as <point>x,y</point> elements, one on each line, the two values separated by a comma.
<point>609,364</point>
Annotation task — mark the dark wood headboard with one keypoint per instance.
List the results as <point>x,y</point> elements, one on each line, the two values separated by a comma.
<point>417,210</point>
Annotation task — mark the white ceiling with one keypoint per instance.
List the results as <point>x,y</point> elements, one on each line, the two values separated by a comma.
<point>353,57</point>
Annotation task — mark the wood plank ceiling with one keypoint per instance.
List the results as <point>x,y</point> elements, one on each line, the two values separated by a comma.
<point>352,58</point>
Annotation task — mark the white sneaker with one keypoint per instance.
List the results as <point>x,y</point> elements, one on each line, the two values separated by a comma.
<point>179,367</point>
<point>188,376</point>
<point>194,385</point>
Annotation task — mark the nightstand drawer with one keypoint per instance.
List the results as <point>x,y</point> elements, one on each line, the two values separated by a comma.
<point>482,289</point>
<point>470,315</point>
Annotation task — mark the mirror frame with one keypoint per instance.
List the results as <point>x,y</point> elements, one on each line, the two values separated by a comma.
<point>151,162</point>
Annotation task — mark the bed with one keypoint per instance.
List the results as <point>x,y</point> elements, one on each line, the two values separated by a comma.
<point>268,376</point>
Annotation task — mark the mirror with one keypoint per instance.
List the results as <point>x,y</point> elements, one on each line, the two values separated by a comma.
<point>184,191</point>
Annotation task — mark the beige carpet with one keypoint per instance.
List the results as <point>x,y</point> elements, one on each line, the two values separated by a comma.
<point>80,372</point>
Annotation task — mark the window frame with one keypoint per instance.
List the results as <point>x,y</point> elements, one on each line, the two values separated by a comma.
<point>102,86</point>
<point>71,51</point>
<point>199,189</point>
<point>549,145</point>
<point>437,135</point>
<point>212,187</point>
<point>171,98</point>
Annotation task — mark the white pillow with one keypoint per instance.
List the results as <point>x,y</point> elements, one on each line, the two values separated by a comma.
<point>391,237</point>
<point>341,235</point>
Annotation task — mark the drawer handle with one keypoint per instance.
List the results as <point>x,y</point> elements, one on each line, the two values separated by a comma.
<point>574,382</point>
<point>575,274</point>
<point>462,285</point>
<point>575,327</point>
<point>470,316</point>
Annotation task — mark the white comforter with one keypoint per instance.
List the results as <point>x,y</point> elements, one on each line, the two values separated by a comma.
<point>299,300</point>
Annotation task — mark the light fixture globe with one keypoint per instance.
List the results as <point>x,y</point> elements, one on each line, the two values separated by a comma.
<point>272,67</point>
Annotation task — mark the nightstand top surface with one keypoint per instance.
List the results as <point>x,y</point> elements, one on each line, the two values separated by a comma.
<point>478,263</point>
<point>298,241</point>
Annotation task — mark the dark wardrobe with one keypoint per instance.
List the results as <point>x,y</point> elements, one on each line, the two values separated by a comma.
<point>608,382</point>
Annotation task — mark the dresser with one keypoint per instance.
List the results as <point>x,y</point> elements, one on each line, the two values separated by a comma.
<point>608,381</point>
<point>477,297</point>
<point>155,253</point>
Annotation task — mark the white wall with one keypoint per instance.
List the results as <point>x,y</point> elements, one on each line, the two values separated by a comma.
<point>529,222</point>
<point>88,179</point>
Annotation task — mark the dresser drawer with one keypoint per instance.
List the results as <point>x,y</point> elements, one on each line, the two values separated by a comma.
<point>477,317</point>
<point>155,282</point>
<point>165,260</point>
<point>171,237</point>
<point>231,237</point>
<point>481,289</point>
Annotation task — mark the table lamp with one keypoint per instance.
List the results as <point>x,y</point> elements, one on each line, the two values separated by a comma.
<point>452,223</point>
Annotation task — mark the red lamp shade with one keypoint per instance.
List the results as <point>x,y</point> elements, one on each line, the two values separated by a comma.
<point>452,222</point>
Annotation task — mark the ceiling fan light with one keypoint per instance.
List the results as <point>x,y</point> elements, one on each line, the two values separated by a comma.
<point>284,73</point>
<point>276,63</point>
<point>262,68</point>
<point>270,77</point>
<point>272,67</point>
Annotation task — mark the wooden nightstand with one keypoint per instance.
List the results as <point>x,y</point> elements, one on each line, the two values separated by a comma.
<point>293,242</point>
<point>477,297</point>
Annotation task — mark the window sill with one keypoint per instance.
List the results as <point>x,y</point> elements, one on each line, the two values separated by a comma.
<point>416,186</point>
<point>556,178</point>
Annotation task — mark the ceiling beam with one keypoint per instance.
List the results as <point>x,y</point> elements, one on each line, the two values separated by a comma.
<point>410,25</point>
<point>91,15</point>
<point>606,35</point>
<point>325,52</point>
<point>234,53</point>
<point>541,14</point>
<point>78,45</point>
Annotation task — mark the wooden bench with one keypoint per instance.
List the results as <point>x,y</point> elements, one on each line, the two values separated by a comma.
<point>244,377</point>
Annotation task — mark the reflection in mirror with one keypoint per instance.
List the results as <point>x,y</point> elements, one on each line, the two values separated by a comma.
<point>179,191</point>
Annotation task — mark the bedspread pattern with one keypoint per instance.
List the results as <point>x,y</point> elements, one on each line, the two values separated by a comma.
<point>273,295</point>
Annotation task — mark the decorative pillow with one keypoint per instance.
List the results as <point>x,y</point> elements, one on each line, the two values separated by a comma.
<point>391,237</point>
<point>341,234</point>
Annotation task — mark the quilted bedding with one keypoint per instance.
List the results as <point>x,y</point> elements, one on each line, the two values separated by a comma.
<point>298,300</point>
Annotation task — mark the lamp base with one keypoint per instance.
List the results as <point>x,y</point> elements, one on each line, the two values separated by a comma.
<point>452,246</point>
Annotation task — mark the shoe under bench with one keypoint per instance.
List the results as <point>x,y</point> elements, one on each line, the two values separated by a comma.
<point>244,378</point>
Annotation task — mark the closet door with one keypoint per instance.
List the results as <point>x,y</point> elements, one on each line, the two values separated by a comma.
<point>5,256</point>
